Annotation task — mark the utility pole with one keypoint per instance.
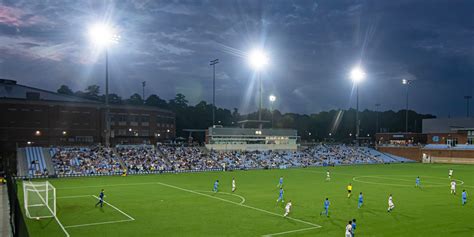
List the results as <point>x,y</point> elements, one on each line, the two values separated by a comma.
<point>213,64</point>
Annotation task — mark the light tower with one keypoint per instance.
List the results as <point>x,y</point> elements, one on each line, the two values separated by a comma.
<point>258,60</point>
<point>103,36</point>
<point>357,76</point>
<point>407,84</point>
<point>272,99</point>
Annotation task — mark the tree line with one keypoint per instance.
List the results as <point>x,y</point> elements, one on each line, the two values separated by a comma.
<point>338,125</point>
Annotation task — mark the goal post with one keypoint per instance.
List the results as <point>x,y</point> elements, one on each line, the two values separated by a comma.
<point>39,199</point>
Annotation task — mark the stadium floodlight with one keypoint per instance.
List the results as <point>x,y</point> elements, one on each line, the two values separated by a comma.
<point>103,35</point>
<point>258,59</point>
<point>406,82</point>
<point>272,98</point>
<point>357,74</point>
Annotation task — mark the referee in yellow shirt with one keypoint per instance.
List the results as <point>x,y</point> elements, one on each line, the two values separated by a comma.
<point>349,190</point>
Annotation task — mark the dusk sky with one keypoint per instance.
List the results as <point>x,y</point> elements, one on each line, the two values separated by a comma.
<point>312,46</point>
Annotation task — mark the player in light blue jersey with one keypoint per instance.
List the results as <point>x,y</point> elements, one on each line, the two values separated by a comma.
<point>216,186</point>
<point>280,183</point>
<point>417,182</point>
<point>326,207</point>
<point>464,197</point>
<point>280,196</point>
<point>361,200</point>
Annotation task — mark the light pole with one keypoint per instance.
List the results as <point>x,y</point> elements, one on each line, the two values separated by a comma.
<point>357,75</point>
<point>143,92</point>
<point>102,36</point>
<point>213,64</point>
<point>407,84</point>
<point>467,98</point>
<point>258,60</point>
<point>272,99</point>
<point>377,118</point>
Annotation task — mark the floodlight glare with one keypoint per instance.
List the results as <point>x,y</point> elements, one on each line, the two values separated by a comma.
<point>103,35</point>
<point>272,98</point>
<point>357,74</point>
<point>405,81</point>
<point>258,59</point>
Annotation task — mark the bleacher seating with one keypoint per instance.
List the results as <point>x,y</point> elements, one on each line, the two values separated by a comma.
<point>174,158</point>
<point>36,161</point>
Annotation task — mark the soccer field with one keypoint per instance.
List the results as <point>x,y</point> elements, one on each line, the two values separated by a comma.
<point>183,204</point>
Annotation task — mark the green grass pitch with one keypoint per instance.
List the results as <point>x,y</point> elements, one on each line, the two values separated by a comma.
<point>182,204</point>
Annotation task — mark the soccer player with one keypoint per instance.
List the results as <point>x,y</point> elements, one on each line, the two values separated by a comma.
<point>349,229</point>
<point>353,227</point>
<point>280,196</point>
<point>349,190</point>
<point>450,173</point>
<point>326,207</point>
<point>280,183</point>
<point>101,198</point>
<point>464,197</point>
<point>216,186</point>
<point>390,204</point>
<point>328,176</point>
<point>361,200</point>
<point>453,187</point>
<point>287,208</point>
<point>233,184</point>
<point>417,182</point>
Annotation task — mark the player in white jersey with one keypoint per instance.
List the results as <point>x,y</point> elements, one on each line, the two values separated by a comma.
<point>450,173</point>
<point>287,208</point>
<point>453,187</point>
<point>349,229</point>
<point>328,176</point>
<point>233,184</point>
<point>390,203</point>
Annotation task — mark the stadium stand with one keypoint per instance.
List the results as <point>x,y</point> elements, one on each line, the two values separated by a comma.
<point>36,161</point>
<point>74,161</point>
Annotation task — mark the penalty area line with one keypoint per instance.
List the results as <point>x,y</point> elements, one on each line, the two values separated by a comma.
<point>114,207</point>
<point>290,231</point>
<point>238,204</point>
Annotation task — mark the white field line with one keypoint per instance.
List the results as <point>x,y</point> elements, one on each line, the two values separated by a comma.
<point>238,204</point>
<point>78,196</point>
<point>290,231</point>
<point>231,194</point>
<point>98,223</point>
<point>114,207</point>
<point>106,185</point>
<point>55,216</point>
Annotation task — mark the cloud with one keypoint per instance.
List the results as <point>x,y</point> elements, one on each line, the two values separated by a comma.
<point>19,18</point>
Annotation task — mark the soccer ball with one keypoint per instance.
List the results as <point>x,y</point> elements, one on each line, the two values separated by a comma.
<point>37,218</point>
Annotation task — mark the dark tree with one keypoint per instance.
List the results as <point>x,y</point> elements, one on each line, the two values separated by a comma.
<point>65,90</point>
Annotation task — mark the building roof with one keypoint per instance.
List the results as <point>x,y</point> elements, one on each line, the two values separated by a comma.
<point>251,132</point>
<point>9,89</point>
<point>446,125</point>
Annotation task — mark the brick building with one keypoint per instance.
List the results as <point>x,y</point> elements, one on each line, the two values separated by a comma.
<point>40,117</point>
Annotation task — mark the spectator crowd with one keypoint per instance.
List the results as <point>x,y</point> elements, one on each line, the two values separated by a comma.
<point>143,158</point>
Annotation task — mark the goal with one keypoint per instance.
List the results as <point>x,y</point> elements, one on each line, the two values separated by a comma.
<point>39,199</point>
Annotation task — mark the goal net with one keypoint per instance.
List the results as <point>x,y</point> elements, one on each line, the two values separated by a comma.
<point>39,199</point>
